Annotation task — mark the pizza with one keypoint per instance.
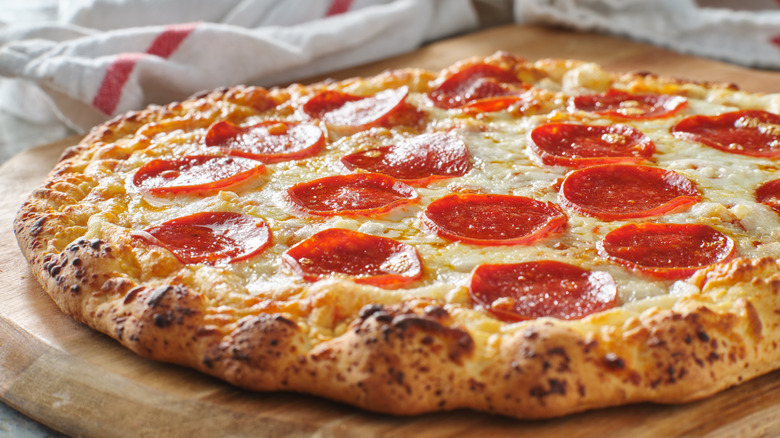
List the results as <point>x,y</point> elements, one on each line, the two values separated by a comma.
<point>527,238</point>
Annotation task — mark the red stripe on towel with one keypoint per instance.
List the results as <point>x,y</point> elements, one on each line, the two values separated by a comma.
<point>339,7</point>
<point>110,90</point>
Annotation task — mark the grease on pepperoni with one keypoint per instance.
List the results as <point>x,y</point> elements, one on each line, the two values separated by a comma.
<point>211,237</point>
<point>620,104</point>
<point>269,141</point>
<point>480,219</point>
<point>487,87</point>
<point>367,259</point>
<point>196,175</point>
<point>522,291</point>
<point>669,251</point>
<point>355,194</point>
<point>623,191</point>
<point>417,160</point>
<point>574,145</point>
<point>769,194</point>
<point>754,133</point>
<point>339,109</point>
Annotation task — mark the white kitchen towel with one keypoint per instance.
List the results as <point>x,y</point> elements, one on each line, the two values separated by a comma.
<point>105,57</point>
<point>744,32</point>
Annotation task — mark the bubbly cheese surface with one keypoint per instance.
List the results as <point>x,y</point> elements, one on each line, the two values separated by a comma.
<point>501,163</point>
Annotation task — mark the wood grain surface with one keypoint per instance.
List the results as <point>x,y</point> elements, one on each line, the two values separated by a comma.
<point>83,384</point>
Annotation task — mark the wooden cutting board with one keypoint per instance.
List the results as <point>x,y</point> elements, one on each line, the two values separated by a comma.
<point>82,383</point>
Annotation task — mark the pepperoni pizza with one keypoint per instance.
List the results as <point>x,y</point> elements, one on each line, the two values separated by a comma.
<point>525,238</point>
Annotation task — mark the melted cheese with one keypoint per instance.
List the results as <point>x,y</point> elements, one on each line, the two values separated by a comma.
<point>502,163</point>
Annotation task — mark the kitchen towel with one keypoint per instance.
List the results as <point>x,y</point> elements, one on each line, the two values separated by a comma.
<point>101,58</point>
<point>744,32</point>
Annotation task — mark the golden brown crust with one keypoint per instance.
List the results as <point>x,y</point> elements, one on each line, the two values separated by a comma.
<point>379,350</point>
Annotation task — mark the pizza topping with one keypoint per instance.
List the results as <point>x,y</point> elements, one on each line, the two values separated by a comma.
<point>516,292</point>
<point>269,142</point>
<point>196,175</point>
<point>620,104</point>
<point>769,194</point>
<point>749,132</point>
<point>624,191</point>
<point>568,144</point>
<point>362,112</point>
<point>356,194</point>
<point>480,219</point>
<point>490,86</point>
<point>374,260</point>
<point>670,251</point>
<point>211,237</point>
<point>417,160</point>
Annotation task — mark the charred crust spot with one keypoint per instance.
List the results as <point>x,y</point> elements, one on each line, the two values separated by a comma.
<point>95,244</point>
<point>162,319</point>
<point>390,323</point>
<point>75,289</point>
<point>37,226</point>
<point>282,319</point>
<point>157,295</point>
<point>437,312</point>
<point>130,297</point>
<point>369,310</point>
<point>614,362</point>
<point>531,333</point>
<point>713,356</point>
<point>704,337</point>
<point>554,386</point>
<point>260,339</point>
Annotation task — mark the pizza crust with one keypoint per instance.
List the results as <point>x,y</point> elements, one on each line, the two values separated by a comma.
<point>386,351</point>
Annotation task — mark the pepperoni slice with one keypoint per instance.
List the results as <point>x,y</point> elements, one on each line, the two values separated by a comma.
<point>368,259</point>
<point>522,291</point>
<point>623,191</point>
<point>769,194</point>
<point>418,160</point>
<point>754,133</point>
<point>479,82</point>
<point>616,103</point>
<point>670,251</point>
<point>211,237</point>
<point>361,112</point>
<point>572,145</point>
<point>196,175</point>
<point>480,219</point>
<point>269,142</point>
<point>355,194</point>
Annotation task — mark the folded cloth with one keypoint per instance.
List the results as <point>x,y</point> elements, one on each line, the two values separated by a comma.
<point>745,32</point>
<point>106,57</point>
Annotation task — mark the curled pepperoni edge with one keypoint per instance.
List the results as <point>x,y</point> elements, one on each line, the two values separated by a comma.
<point>407,195</point>
<point>291,259</point>
<point>672,104</point>
<point>446,95</point>
<point>647,148</point>
<point>555,223</point>
<point>602,294</point>
<point>233,182</point>
<point>665,273</point>
<point>678,203</point>
<point>309,151</point>
<point>148,235</point>
<point>395,96</point>
<point>681,130</point>
<point>462,161</point>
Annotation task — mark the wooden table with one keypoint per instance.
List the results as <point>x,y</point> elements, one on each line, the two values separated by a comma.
<point>82,383</point>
